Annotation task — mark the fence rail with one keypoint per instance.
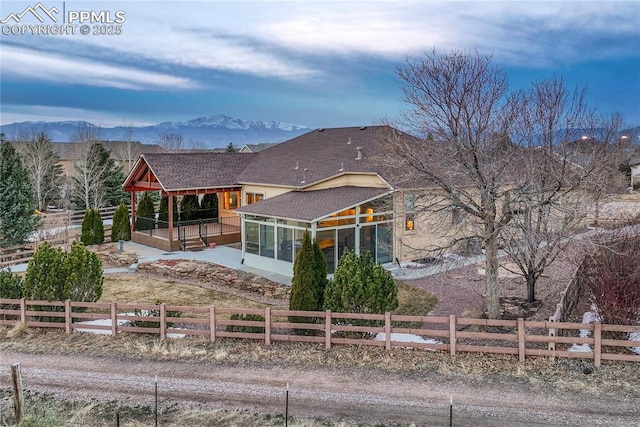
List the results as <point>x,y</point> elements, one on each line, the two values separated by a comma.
<point>59,229</point>
<point>448,334</point>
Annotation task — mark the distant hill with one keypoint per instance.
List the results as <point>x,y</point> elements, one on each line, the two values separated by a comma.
<point>203,132</point>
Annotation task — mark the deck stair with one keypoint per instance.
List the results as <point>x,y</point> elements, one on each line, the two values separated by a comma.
<point>193,244</point>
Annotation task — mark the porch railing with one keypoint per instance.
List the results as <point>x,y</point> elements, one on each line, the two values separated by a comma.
<point>202,228</point>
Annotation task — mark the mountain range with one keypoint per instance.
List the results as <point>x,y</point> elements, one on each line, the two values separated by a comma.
<point>202,132</point>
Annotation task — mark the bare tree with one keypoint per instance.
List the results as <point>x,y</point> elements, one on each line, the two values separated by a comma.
<point>479,157</point>
<point>128,150</point>
<point>562,180</point>
<point>88,181</point>
<point>170,141</point>
<point>41,162</point>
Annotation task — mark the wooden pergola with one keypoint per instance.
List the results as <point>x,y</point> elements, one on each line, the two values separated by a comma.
<point>169,174</point>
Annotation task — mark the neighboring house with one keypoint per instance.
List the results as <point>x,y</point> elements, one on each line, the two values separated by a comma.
<point>124,153</point>
<point>331,182</point>
<point>256,148</point>
<point>634,163</point>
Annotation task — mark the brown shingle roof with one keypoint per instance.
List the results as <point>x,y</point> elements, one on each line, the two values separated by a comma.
<point>318,155</point>
<point>311,205</point>
<point>177,171</point>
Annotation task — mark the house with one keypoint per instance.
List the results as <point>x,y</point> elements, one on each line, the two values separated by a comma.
<point>332,182</point>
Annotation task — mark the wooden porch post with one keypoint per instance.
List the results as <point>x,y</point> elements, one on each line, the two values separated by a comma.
<point>133,211</point>
<point>170,207</point>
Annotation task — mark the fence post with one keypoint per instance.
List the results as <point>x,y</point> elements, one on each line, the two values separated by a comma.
<point>452,335</point>
<point>23,310</point>
<point>597,344</point>
<point>16,376</point>
<point>387,331</point>
<point>267,326</point>
<point>521,340</point>
<point>114,319</point>
<point>163,321</point>
<point>67,316</point>
<point>552,344</point>
<point>327,329</point>
<point>212,323</point>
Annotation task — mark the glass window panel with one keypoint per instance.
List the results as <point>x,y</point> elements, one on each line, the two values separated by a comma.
<point>285,244</point>
<point>326,241</point>
<point>267,240</point>
<point>384,236</point>
<point>368,239</point>
<point>252,238</point>
<point>346,239</point>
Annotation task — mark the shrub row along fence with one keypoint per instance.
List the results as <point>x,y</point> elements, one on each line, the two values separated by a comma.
<point>58,229</point>
<point>447,334</point>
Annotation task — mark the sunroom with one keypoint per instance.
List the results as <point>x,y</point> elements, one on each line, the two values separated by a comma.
<point>357,218</point>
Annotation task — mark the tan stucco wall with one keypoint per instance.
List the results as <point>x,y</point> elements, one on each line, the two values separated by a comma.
<point>354,180</point>
<point>266,190</point>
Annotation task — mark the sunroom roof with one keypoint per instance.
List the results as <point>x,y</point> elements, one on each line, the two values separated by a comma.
<point>311,206</point>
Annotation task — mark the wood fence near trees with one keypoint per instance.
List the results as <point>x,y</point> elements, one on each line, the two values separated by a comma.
<point>58,229</point>
<point>451,334</point>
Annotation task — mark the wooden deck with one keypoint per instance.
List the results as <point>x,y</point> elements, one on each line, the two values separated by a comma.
<point>213,232</point>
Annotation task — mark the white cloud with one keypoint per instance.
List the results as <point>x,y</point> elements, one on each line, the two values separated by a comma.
<point>295,40</point>
<point>43,66</point>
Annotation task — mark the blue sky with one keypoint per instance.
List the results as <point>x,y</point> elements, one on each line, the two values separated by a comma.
<point>319,64</point>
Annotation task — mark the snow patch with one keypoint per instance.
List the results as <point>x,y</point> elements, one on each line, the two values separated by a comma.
<point>407,338</point>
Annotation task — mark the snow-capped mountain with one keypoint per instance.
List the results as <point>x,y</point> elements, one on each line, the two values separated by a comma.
<point>209,131</point>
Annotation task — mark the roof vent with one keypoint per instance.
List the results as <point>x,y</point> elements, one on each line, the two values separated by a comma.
<point>341,167</point>
<point>297,166</point>
<point>359,153</point>
<point>349,142</point>
<point>304,176</point>
<point>363,128</point>
<point>321,130</point>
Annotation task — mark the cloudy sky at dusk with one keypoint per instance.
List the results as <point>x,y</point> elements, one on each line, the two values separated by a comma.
<point>318,64</point>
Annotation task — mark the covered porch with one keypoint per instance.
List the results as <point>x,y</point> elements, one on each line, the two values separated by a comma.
<point>178,175</point>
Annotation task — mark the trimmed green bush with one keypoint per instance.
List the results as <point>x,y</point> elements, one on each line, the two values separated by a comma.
<point>56,275</point>
<point>92,228</point>
<point>10,285</point>
<point>145,213</point>
<point>359,285</point>
<point>121,229</point>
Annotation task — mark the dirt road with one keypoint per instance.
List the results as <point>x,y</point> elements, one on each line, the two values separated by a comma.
<point>355,395</point>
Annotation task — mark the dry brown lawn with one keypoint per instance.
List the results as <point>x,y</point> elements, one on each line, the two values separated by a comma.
<point>135,288</point>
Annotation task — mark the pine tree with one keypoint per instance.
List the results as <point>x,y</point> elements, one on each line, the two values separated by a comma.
<point>17,219</point>
<point>209,206</point>
<point>189,208</point>
<point>10,285</point>
<point>145,213</point>
<point>45,275</point>
<point>56,275</point>
<point>308,282</point>
<point>359,285</point>
<point>84,279</point>
<point>163,212</point>
<point>92,228</point>
<point>121,229</point>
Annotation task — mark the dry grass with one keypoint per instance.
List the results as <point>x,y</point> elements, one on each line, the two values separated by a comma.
<point>135,288</point>
<point>414,301</point>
